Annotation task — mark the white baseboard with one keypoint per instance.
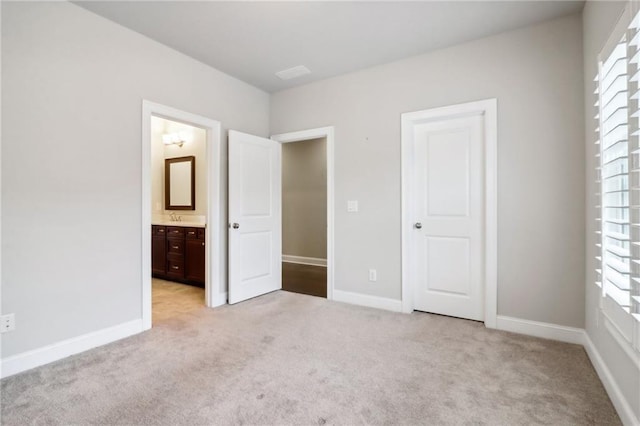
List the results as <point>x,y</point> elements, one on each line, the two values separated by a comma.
<point>313,261</point>
<point>617,397</point>
<point>27,360</point>
<point>541,329</point>
<point>366,300</point>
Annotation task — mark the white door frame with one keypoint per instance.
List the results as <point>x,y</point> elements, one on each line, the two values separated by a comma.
<point>328,133</point>
<point>488,109</point>
<point>214,266</point>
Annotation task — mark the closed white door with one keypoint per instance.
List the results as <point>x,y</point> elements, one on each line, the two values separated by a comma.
<point>448,240</point>
<point>255,218</point>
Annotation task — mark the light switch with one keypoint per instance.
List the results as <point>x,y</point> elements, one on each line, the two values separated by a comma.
<point>352,206</point>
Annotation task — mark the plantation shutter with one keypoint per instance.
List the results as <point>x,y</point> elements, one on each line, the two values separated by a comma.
<point>633,52</point>
<point>614,157</point>
<point>618,179</point>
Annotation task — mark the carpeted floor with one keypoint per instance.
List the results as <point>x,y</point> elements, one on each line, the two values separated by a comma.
<point>286,358</point>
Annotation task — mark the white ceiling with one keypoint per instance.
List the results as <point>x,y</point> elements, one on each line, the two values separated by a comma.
<point>253,40</point>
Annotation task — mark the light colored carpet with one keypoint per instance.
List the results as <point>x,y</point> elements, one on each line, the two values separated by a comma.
<point>286,358</point>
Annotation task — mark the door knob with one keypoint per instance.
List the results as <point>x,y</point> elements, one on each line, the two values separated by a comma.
<point>418,225</point>
<point>236,225</point>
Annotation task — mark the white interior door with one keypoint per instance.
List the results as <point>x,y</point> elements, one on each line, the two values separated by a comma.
<point>255,217</point>
<point>448,232</point>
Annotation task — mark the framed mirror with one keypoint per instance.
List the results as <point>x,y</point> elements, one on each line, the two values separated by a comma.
<point>180,183</point>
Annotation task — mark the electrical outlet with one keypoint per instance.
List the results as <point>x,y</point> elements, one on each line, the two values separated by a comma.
<point>352,206</point>
<point>373,275</point>
<point>7,323</point>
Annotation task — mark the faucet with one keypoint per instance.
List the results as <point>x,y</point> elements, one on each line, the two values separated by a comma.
<point>174,217</point>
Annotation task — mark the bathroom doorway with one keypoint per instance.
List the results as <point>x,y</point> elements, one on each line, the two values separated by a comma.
<point>182,263</point>
<point>178,218</point>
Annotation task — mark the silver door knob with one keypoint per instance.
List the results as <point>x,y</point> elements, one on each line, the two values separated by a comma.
<point>418,225</point>
<point>236,225</point>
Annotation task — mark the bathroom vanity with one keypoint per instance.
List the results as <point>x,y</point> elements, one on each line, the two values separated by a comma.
<point>178,253</point>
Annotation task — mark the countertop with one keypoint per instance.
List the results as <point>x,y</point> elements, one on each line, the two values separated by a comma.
<point>185,223</point>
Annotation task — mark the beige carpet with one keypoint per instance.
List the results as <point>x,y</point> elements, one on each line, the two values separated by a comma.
<point>286,358</point>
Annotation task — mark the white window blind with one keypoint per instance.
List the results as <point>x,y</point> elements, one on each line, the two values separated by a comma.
<point>633,52</point>
<point>618,180</point>
<point>614,158</point>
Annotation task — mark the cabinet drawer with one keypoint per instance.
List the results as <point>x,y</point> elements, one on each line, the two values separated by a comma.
<point>175,231</point>
<point>195,233</point>
<point>158,230</point>
<point>175,246</point>
<point>175,268</point>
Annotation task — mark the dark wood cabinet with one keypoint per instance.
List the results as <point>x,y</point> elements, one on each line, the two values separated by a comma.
<point>194,260</point>
<point>158,250</point>
<point>178,254</point>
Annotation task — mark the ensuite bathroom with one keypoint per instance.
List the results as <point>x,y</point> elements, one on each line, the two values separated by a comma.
<point>178,218</point>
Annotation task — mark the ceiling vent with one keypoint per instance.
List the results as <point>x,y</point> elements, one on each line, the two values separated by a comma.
<point>294,72</point>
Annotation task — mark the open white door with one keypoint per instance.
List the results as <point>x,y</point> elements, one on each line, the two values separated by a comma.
<point>255,217</point>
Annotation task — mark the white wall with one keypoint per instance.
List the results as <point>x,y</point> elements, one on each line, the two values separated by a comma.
<point>72,91</point>
<point>536,74</point>
<point>196,146</point>
<point>599,19</point>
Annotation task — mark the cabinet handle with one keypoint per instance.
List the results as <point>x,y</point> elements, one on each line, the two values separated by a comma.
<point>175,247</point>
<point>176,232</point>
<point>175,267</point>
<point>203,244</point>
<point>160,230</point>
<point>191,233</point>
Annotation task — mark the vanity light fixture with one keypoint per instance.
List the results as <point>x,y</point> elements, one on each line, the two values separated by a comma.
<point>177,138</point>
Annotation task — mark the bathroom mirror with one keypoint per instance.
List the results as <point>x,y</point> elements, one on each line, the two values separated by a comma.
<point>180,183</point>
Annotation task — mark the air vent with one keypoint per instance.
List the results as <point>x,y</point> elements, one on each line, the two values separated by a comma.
<point>294,72</point>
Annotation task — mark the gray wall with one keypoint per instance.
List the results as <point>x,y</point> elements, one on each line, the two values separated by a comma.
<point>599,18</point>
<point>72,91</point>
<point>536,74</point>
<point>304,198</point>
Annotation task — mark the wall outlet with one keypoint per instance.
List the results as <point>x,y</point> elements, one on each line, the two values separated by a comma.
<point>373,275</point>
<point>7,323</point>
<point>352,206</point>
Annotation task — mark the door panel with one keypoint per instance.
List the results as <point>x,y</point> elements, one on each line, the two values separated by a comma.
<point>255,246</point>
<point>448,248</point>
<point>256,180</point>
<point>448,173</point>
<point>256,257</point>
<point>448,260</point>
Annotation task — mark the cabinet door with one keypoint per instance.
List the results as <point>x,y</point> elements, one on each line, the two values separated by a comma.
<point>194,261</point>
<point>159,255</point>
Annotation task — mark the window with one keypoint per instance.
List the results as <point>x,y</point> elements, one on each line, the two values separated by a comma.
<point>618,181</point>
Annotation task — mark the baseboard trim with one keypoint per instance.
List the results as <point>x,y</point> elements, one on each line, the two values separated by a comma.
<point>313,261</point>
<point>34,358</point>
<point>617,397</point>
<point>367,300</point>
<point>541,329</point>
